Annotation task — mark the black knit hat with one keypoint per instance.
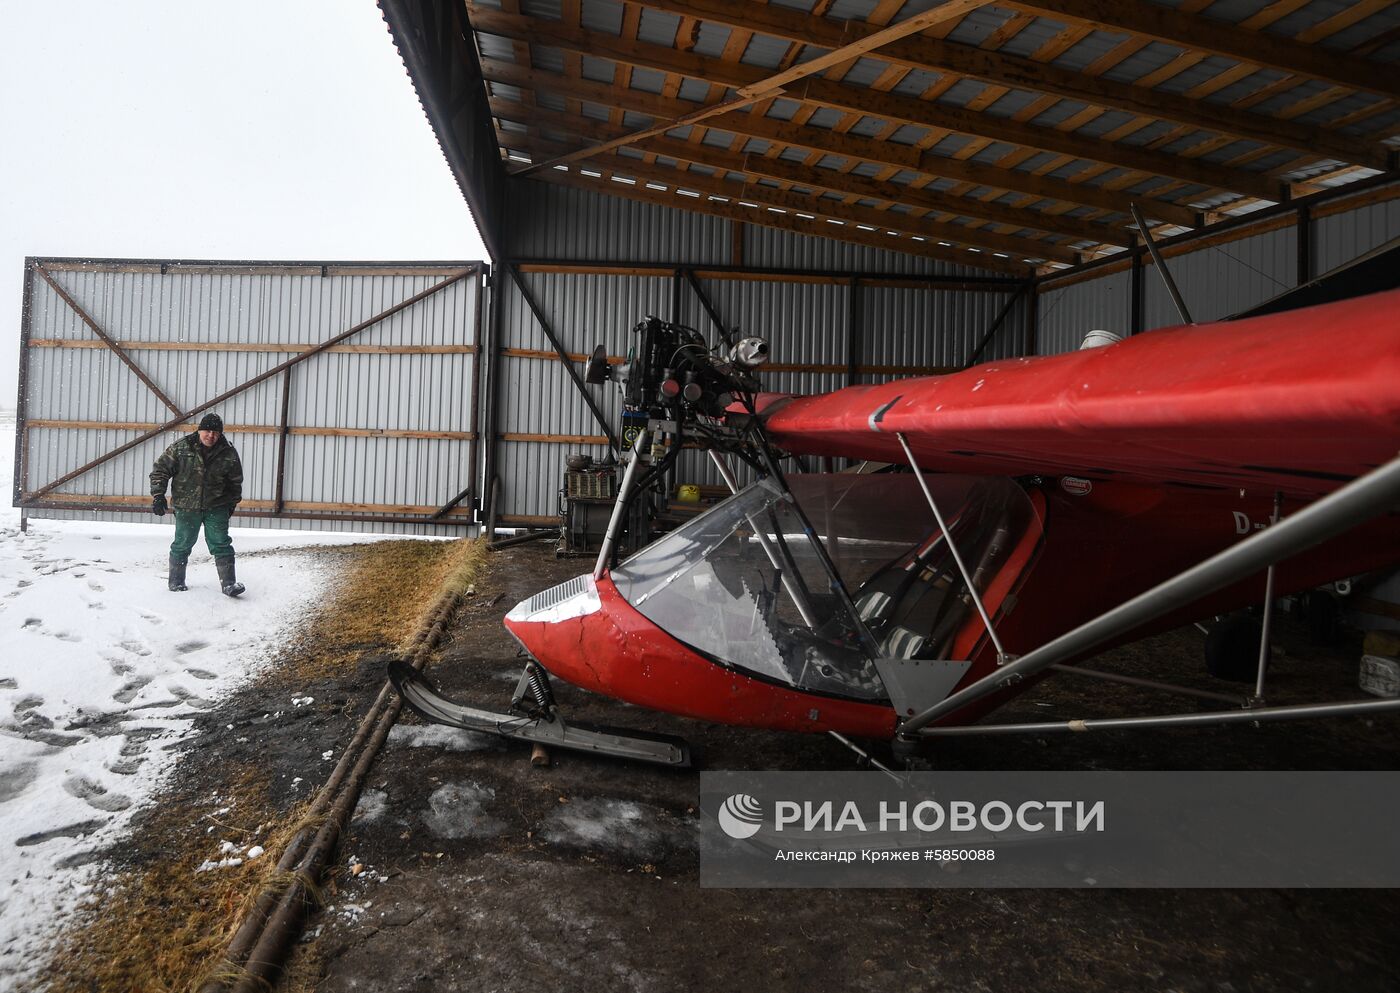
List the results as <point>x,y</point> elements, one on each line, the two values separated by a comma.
<point>211,422</point>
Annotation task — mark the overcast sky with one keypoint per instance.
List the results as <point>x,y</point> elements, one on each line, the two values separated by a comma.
<point>250,130</point>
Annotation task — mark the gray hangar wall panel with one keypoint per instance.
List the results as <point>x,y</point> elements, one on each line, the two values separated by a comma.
<point>545,221</point>
<point>1339,238</point>
<point>1221,280</point>
<point>910,328</point>
<point>1068,313</point>
<point>365,418</point>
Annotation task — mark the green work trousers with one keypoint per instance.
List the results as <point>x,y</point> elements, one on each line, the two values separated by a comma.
<point>187,524</point>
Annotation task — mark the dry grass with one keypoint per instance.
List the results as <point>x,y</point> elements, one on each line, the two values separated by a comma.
<point>159,927</point>
<point>385,592</point>
<point>161,924</point>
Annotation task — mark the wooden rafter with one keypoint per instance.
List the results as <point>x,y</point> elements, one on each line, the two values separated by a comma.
<point>736,211</point>
<point>1215,37</point>
<point>824,141</point>
<point>1000,68</point>
<point>764,86</point>
<point>796,174</point>
<point>804,203</point>
<point>943,118</point>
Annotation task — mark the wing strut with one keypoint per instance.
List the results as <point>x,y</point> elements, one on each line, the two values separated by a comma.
<point>952,547</point>
<point>1360,500</point>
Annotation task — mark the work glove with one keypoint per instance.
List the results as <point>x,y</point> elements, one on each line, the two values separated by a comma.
<point>158,506</point>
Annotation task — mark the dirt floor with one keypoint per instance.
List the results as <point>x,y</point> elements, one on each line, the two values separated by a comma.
<point>466,868</point>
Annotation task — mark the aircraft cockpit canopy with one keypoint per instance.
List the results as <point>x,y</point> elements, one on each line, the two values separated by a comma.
<point>744,585</point>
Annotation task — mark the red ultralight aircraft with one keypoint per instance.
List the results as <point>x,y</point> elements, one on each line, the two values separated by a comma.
<point>1057,505</point>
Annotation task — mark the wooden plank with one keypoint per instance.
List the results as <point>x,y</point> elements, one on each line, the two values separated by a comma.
<point>764,87</point>
<point>820,178</point>
<point>826,141</point>
<point>859,100</point>
<point>565,439</point>
<point>789,221</point>
<point>942,57</point>
<point>255,347</point>
<point>175,266</point>
<point>549,355</point>
<point>529,520</point>
<point>825,207</point>
<point>583,269</point>
<point>1216,37</point>
<point>236,429</point>
<point>95,500</point>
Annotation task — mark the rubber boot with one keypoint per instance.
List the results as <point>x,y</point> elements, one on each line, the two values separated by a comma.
<point>228,581</point>
<point>176,582</point>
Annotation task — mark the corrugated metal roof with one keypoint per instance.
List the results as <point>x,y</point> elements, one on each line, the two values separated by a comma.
<point>1100,116</point>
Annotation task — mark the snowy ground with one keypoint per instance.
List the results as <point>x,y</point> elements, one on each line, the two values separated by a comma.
<point>101,670</point>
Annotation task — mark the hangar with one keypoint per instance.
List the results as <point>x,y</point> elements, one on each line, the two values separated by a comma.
<point>902,201</point>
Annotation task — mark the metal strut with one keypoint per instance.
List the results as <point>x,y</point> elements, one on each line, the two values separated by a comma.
<point>1353,504</point>
<point>952,547</point>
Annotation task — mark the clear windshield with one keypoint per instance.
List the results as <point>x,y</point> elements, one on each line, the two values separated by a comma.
<point>744,585</point>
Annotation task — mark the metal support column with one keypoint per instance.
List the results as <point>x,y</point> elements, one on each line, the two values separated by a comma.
<point>1305,245</point>
<point>283,429</point>
<point>1162,270</point>
<point>1135,301</point>
<point>855,343</point>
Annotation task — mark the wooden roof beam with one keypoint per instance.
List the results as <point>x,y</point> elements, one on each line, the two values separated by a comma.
<point>1001,68</point>
<point>734,210</point>
<point>830,180</point>
<point>1020,249</point>
<point>769,86</point>
<point>1204,34</point>
<point>875,103</point>
<point>830,142</point>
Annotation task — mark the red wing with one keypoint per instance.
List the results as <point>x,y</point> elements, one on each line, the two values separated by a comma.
<point>1300,402</point>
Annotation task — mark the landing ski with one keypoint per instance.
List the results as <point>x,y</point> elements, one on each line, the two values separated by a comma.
<point>545,726</point>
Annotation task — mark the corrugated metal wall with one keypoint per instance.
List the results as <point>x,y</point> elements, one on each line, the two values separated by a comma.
<point>1221,280</point>
<point>1068,313</point>
<point>807,322</point>
<point>1339,238</point>
<point>1215,281</point>
<point>377,425</point>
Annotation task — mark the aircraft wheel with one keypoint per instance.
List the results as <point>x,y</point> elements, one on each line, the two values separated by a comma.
<point>1232,649</point>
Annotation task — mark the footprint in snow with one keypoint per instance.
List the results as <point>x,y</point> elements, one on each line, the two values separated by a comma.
<point>32,622</point>
<point>118,667</point>
<point>95,586</point>
<point>153,618</point>
<point>28,703</point>
<point>134,647</point>
<point>188,697</point>
<point>125,767</point>
<point>8,684</point>
<point>15,780</point>
<point>129,690</point>
<point>202,674</point>
<point>186,647</point>
<point>95,795</point>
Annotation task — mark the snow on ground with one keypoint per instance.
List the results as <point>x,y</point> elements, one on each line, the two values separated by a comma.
<point>101,672</point>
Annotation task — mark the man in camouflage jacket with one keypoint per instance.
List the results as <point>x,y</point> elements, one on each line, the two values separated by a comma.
<point>206,483</point>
